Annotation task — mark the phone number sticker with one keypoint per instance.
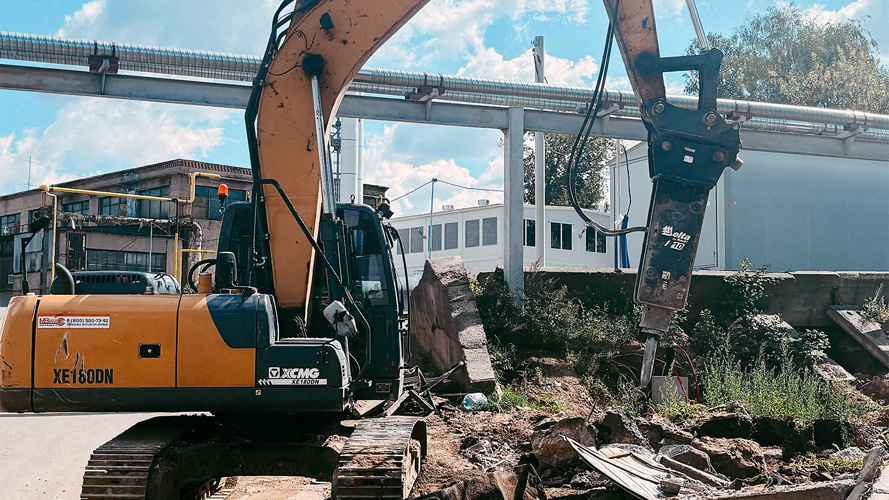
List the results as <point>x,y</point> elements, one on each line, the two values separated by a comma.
<point>70,321</point>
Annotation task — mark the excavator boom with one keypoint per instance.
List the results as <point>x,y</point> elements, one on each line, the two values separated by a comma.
<point>344,35</point>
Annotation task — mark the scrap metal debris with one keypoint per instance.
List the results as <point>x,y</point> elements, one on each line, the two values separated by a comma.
<point>638,475</point>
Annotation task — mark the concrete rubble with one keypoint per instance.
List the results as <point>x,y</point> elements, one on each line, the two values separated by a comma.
<point>550,443</point>
<point>608,457</point>
<point>446,327</point>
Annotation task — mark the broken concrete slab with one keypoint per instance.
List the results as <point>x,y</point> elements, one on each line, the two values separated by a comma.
<point>619,427</point>
<point>694,473</point>
<point>877,389</point>
<point>833,490</point>
<point>734,458</point>
<point>661,432</point>
<point>871,471</point>
<point>446,326</point>
<point>551,447</point>
<point>880,488</point>
<point>867,333</point>
<point>725,424</point>
<point>687,455</point>
<point>510,484</point>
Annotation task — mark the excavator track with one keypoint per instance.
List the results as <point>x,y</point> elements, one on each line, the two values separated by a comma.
<point>183,457</point>
<point>121,468</point>
<point>381,459</point>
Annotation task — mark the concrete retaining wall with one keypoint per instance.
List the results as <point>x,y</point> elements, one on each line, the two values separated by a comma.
<point>801,298</point>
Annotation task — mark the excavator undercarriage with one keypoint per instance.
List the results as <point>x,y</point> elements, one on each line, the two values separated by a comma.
<point>183,457</point>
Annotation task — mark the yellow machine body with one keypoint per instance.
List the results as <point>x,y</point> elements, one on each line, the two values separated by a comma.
<point>159,353</point>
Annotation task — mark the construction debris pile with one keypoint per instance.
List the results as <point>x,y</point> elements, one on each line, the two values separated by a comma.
<point>726,453</point>
<point>555,432</point>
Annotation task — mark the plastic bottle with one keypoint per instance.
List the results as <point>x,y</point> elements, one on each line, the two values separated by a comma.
<point>474,401</point>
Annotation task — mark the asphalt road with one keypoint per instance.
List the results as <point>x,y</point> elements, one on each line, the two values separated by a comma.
<point>42,456</point>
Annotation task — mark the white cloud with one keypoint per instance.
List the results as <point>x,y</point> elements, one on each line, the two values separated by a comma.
<point>87,15</point>
<point>669,8</point>
<point>90,133</point>
<point>873,14</point>
<point>222,25</point>
<point>389,165</point>
<point>854,10</point>
<point>490,63</point>
<point>453,30</point>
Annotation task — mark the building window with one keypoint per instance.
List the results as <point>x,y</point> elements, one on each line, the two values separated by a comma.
<point>560,235</point>
<point>436,237</point>
<point>113,205</point>
<point>403,241</point>
<point>416,240</point>
<point>206,202</point>
<point>34,215</point>
<point>76,255</point>
<point>115,260</point>
<point>78,207</point>
<point>153,209</point>
<point>489,231</point>
<point>9,224</point>
<point>450,235</point>
<point>595,241</point>
<point>34,261</point>
<point>471,233</point>
<point>530,239</point>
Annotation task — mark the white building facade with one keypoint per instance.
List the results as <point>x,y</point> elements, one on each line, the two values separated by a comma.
<point>476,235</point>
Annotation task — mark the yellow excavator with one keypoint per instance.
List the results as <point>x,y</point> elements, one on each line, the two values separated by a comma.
<point>302,317</point>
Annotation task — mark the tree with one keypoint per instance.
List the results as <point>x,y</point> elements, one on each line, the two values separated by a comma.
<point>590,178</point>
<point>785,56</point>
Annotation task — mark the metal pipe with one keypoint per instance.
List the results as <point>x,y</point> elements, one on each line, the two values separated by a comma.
<point>173,61</point>
<point>55,219</point>
<point>57,50</point>
<point>539,54</point>
<point>431,210</point>
<point>584,94</point>
<point>191,197</point>
<point>699,28</point>
<point>626,111</point>
<point>324,161</point>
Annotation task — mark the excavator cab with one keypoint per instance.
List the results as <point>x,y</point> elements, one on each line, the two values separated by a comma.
<point>360,246</point>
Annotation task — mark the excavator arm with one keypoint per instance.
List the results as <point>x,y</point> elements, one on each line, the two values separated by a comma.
<point>330,39</point>
<point>687,153</point>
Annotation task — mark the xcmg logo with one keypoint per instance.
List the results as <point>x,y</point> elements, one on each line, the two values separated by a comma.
<point>293,373</point>
<point>293,376</point>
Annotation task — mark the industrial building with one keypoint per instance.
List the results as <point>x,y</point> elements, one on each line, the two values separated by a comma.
<point>98,233</point>
<point>791,212</point>
<point>476,235</point>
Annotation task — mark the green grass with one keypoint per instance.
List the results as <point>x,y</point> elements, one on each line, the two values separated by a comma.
<point>782,392</point>
<point>512,399</point>
<point>875,308</point>
<point>677,409</point>
<point>841,465</point>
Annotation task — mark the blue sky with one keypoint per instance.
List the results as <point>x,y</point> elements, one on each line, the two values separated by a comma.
<point>69,137</point>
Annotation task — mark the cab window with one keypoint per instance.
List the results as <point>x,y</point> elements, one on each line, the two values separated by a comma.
<point>370,262</point>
